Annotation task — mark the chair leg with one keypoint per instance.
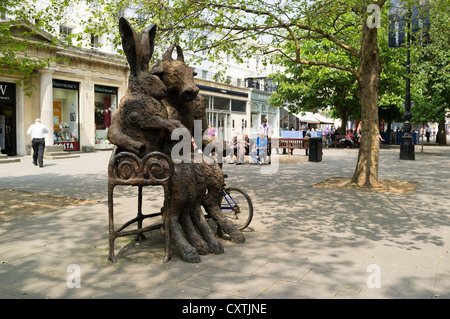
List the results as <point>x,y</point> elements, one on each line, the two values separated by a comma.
<point>112,234</point>
<point>139,214</point>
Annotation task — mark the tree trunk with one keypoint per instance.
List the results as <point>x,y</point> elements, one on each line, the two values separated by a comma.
<point>441,137</point>
<point>344,120</point>
<point>366,171</point>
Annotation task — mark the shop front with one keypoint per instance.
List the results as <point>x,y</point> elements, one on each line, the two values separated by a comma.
<point>8,118</point>
<point>260,110</point>
<point>105,105</point>
<point>66,126</point>
<point>226,111</point>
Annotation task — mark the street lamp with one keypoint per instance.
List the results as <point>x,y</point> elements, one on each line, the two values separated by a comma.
<point>396,39</point>
<point>407,145</point>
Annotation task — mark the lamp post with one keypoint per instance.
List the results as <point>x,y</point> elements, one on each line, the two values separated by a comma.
<point>407,145</point>
<point>397,35</point>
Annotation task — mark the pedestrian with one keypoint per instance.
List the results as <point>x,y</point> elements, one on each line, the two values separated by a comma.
<point>38,132</point>
<point>259,149</point>
<point>304,129</point>
<point>349,139</point>
<point>265,129</point>
<point>210,132</point>
<point>233,145</point>
<point>326,133</point>
<point>428,133</point>
<point>307,136</point>
<point>246,144</point>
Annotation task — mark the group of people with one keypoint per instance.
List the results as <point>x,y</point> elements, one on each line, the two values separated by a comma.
<point>352,137</point>
<point>258,151</point>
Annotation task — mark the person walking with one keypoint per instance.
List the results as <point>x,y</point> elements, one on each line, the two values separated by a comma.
<point>428,133</point>
<point>38,132</point>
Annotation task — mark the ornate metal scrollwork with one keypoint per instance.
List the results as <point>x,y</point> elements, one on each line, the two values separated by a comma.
<point>155,168</point>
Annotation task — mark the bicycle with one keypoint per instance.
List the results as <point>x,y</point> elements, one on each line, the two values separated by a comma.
<point>237,206</point>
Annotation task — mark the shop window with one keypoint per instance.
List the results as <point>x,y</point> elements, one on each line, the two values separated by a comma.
<point>105,106</point>
<point>238,106</point>
<point>221,104</point>
<point>8,118</point>
<point>207,101</point>
<point>65,114</point>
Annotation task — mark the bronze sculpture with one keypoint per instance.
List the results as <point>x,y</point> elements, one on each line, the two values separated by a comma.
<point>156,103</point>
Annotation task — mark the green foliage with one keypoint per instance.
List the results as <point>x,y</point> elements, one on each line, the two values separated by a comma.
<point>24,21</point>
<point>430,80</point>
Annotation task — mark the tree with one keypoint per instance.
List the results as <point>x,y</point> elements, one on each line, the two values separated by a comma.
<point>297,21</point>
<point>266,28</point>
<point>313,88</point>
<point>25,27</point>
<point>431,72</point>
<point>303,88</point>
<point>269,27</point>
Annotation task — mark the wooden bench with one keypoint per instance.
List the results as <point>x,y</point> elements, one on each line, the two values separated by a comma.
<point>337,138</point>
<point>337,142</point>
<point>290,143</point>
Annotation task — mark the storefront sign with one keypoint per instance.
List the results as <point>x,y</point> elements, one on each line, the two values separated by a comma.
<point>65,84</point>
<point>105,89</point>
<point>260,97</point>
<point>7,93</point>
<point>69,146</point>
<point>219,90</point>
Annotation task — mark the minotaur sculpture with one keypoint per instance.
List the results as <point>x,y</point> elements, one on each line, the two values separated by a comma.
<point>156,103</point>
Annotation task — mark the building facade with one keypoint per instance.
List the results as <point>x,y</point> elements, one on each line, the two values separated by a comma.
<point>74,98</point>
<point>77,96</point>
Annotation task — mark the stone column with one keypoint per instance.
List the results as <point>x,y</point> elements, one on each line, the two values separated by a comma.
<point>46,103</point>
<point>87,114</point>
<point>21,130</point>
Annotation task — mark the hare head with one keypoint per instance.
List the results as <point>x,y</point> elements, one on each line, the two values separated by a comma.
<point>176,75</point>
<point>139,50</point>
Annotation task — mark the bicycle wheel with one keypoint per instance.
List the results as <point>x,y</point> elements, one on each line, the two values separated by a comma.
<point>237,207</point>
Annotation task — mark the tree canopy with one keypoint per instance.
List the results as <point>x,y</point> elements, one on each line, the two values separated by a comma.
<point>302,35</point>
<point>431,71</point>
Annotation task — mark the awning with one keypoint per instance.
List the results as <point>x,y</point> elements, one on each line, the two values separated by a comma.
<point>322,119</point>
<point>307,118</point>
<point>310,117</point>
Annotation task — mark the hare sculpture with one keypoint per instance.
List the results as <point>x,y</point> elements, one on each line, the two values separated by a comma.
<point>156,103</point>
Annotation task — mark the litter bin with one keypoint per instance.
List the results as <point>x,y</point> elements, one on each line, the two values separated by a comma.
<point>315,149</point>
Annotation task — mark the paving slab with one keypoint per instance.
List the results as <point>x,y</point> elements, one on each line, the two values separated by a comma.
<point>303,242</point>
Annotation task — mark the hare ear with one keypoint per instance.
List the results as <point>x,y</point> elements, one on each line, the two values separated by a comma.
<point>168,55</point>
<point>131,46</point>
<point>180,56</point>
<point>148,45</point>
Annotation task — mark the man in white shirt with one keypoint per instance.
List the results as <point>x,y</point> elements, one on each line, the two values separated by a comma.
<point>265,133</point>
<point>38,132</point>
<point>304,129</point>
<point>265,129</point>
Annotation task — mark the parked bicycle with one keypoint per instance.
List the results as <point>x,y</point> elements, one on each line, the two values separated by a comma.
<point>237,206</point>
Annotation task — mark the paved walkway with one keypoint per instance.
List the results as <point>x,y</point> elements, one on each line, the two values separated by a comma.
<point>302,243</point>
